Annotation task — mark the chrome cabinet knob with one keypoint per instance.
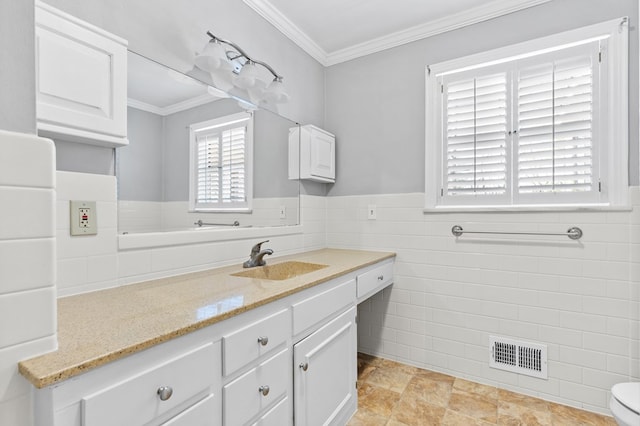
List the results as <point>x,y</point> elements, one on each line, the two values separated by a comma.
<point>304,366</point>
<point>165,392</point>
<point>380,277</point>
<point>263,340</point>
<point>264,390</point>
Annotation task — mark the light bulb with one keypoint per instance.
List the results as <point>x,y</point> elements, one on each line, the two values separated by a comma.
<point>213,58</point>
<point>275,92</point>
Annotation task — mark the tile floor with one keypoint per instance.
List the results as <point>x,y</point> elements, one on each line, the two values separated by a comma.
<point>394,394</point>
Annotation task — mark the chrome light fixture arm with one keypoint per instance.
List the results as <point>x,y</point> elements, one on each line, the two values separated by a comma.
<point>242,53</point>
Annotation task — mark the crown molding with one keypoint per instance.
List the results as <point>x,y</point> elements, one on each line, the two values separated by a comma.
<point>265,9</point>
<point>471,16</point>
<point>172,109</point>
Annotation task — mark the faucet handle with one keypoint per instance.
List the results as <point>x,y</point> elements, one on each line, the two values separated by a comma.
<point>256,249</point>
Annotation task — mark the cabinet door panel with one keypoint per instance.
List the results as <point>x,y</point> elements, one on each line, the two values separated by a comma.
<point>325,372</point>
<point>323,155</point>
<point>81,78</point>
<point>201,414</point>
<point>280,415</point>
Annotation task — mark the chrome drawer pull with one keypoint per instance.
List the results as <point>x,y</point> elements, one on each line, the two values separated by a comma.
<point>304,366</point>
<point>165,392</point>
<point>380,277</point>
<point>264,390</point>
<point>263,340</point>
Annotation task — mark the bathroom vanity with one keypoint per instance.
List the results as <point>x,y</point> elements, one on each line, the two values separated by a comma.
<point>272,345</point>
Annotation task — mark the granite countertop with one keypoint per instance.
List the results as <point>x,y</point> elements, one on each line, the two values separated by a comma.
<point>103,326</point>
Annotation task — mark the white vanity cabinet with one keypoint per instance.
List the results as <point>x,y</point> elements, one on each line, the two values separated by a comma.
<point>312,154</point>
<point>81,80</point>
<point>291,361</point>
<point>176,383</point>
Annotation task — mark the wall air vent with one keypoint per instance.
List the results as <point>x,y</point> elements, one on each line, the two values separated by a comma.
<point>518,357</point>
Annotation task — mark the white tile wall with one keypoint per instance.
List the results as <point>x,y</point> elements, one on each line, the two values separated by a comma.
<point>89,263</point>
<point>579,298</point>
<point>27,265</point>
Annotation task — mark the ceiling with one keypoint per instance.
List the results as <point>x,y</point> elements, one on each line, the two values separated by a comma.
<point>334,31</point>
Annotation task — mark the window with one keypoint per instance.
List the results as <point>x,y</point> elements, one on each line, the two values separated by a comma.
<point>543,123</point>
<point>221,172</point>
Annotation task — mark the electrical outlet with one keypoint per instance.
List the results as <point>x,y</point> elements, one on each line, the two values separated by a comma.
<point>84,219</point>
<point>372,212</point>
<point>283,212</point>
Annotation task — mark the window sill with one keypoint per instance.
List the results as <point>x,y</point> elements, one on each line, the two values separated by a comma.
<point>527,208</point>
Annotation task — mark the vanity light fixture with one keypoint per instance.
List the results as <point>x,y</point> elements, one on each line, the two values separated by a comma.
<point>230,66</point>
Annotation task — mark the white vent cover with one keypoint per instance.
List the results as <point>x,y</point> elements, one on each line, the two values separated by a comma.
<point>518,357</point>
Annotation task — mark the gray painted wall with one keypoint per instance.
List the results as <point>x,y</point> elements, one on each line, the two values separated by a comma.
<point>17,66</point>
<point>375,104</point>
<point>139,165</point>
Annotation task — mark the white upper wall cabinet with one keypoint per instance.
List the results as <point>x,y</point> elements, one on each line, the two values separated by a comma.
<point>314,157</point>
<point>81,80</point>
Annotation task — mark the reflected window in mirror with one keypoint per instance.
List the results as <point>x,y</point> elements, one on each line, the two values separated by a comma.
<point>221,172</point>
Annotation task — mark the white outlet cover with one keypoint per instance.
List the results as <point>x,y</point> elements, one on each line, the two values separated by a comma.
<point>372,212</point>
<point>83,217</point>
<point>283,212</point>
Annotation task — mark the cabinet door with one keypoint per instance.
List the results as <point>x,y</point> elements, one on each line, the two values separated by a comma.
<point>81,74</point>
<point>325,373</point>
<point>323,155</point>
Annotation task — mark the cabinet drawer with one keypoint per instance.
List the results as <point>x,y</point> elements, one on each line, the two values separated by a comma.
<point>243,397</point>
<point>249,343</point>
<point>316,308</point>
<point>201,414</point>
<point>136,400</point>
<point>374,280</point>
<point>280,415</point>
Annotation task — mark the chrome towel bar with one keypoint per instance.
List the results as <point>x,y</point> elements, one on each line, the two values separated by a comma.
<point>574,232</point>
<point>201,223</point>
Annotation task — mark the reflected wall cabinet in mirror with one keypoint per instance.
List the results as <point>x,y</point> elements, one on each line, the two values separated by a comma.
<point>81,85</point>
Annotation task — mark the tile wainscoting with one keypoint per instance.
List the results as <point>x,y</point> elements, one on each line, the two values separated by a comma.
<point>580,298</point>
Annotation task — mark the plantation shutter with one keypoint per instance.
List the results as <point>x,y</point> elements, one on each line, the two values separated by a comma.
<point>555,116</point>
<point>522,131</point>
<point>475,122</point>
<point>220,163</point>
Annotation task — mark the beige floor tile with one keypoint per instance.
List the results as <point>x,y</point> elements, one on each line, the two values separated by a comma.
<point>367,418</point>
<point>569,416</point>
<point>393,379</point>
<point>489,392</point>
<point>453,418</point>
<point>377,400</point>
<point>394,394</point>
<point>474,405</point>
<point>512,414</point>
<point>416,412</point>
<point>433,392</point>
<point>435,376</point>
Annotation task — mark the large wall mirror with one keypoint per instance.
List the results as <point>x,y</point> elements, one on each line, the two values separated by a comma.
<point>199,158</point>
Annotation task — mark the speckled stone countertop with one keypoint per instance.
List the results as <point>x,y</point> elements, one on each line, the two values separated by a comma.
<point>103,326</point>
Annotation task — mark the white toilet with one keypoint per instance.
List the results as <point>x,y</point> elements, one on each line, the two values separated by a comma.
<point>625,403</point>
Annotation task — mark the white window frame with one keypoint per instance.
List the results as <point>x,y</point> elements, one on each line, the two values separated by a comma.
<point>614,164</point>
<point>229,207</point>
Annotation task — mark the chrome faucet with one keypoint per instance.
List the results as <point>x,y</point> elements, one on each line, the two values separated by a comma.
<point>256,256</point>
